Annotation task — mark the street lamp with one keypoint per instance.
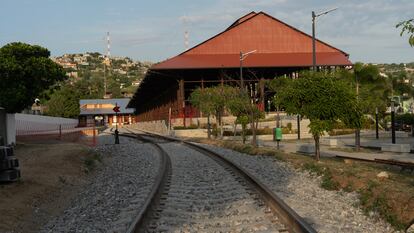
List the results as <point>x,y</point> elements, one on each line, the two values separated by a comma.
<point>314,16</point>
<point>242,57</point>
<point>376,123</point>
<point>392,122</point>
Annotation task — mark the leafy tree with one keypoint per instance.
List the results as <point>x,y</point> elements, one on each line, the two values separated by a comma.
<point>321,98</point>
<point>64,103</point>
<point>25,71</point>
<point>407,27</point>
<point>210,101</point>
<point>64,100</point>
<point>240,105</point>
<point>374,90</point>
<point>215,100</point>
<point>406,118</point>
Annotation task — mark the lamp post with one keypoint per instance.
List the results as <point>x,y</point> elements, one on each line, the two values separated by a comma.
<point>314,16</point>
<point>242,57</point>
<point>268,106</point>
<point>376,123</point>
<point>392,122</point>
<point>357,131</point>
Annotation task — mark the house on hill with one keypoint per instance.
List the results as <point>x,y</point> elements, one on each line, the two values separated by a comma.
<point>278,49</point>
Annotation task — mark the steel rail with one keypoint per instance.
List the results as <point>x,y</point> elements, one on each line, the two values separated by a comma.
<point>157,189</point>
<point>293,222</point>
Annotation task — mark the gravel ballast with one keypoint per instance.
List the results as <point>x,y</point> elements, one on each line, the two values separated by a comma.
<point>327,211</point>
<point>115,194</point>
<point>204,196</point>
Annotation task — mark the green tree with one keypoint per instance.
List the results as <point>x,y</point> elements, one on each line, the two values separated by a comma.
<point>25,71</point>
<point>240,105</point>
<point>407,27</point>
<point>215,100</point>
<point>211,101</point>
<point>321,98</point>
<point>64,102</point>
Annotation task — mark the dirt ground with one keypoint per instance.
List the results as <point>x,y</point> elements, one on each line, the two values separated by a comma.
<point>52,173</point>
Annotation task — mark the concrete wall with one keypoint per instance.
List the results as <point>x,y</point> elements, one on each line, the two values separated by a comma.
<point>3,132</point>
<point>29,124</point>
<point>191,133</point>
<point>11,129</point>
<point>229,123</point>
<point>26,124</point>
<point>159,127</point>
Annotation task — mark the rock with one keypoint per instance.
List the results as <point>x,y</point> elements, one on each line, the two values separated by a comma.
<point>383,175</point>
<point>348,161</point>
<point>410,229</point>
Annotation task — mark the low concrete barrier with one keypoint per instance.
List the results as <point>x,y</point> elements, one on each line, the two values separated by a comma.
<point>305,148</point>
<point>329,142</point>
<point>401,148</point>
<point>191,133</point>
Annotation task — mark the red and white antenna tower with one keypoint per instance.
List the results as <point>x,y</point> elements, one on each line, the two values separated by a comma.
<point>186,33</point>
<point>108,48</point>
<point>107,61</point>
<point>186,43</point>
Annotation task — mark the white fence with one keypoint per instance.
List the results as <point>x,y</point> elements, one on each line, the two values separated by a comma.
<point>34,124</point>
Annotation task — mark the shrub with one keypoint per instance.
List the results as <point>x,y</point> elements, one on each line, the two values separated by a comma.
<point>185,127</point>
<point>289,126</point>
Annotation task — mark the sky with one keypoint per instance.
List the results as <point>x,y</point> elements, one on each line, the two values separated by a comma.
<point>154,30</point>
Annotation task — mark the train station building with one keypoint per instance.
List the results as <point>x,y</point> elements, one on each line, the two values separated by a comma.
<point>99,112</point>
<point>277,49</point>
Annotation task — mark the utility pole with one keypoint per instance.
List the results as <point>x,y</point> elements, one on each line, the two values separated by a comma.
<point>313,42</point>
<point>357,131</point>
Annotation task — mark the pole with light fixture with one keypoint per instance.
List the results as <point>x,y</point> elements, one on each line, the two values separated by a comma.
<point>376,123</point>
<point>392,122</point>
<point>314,16</point>
<point>242,57</point>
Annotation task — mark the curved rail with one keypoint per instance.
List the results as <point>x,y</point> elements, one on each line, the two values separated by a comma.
<point>157,189</point>
<point>288,216</point>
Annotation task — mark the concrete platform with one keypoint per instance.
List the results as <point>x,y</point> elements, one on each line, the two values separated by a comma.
<point>400,148</point>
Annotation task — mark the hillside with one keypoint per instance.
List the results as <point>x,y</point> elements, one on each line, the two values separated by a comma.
<point>87,75</point>
<point>122,74</point>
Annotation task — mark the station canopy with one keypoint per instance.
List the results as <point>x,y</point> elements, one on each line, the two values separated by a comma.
<point>279,49</point>
<point>276,43</point>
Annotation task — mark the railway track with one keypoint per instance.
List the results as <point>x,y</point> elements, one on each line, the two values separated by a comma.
<point>198,190</point>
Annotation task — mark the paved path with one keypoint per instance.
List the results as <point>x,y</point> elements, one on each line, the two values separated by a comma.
<point>345,141</point>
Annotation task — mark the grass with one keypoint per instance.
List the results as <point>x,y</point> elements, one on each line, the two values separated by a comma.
<point>378,203</point>
<point>327,179</point>
<point>392,199</point>
<point>91,161</point>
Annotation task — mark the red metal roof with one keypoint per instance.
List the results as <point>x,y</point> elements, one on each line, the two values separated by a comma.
<point>276,43</point>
